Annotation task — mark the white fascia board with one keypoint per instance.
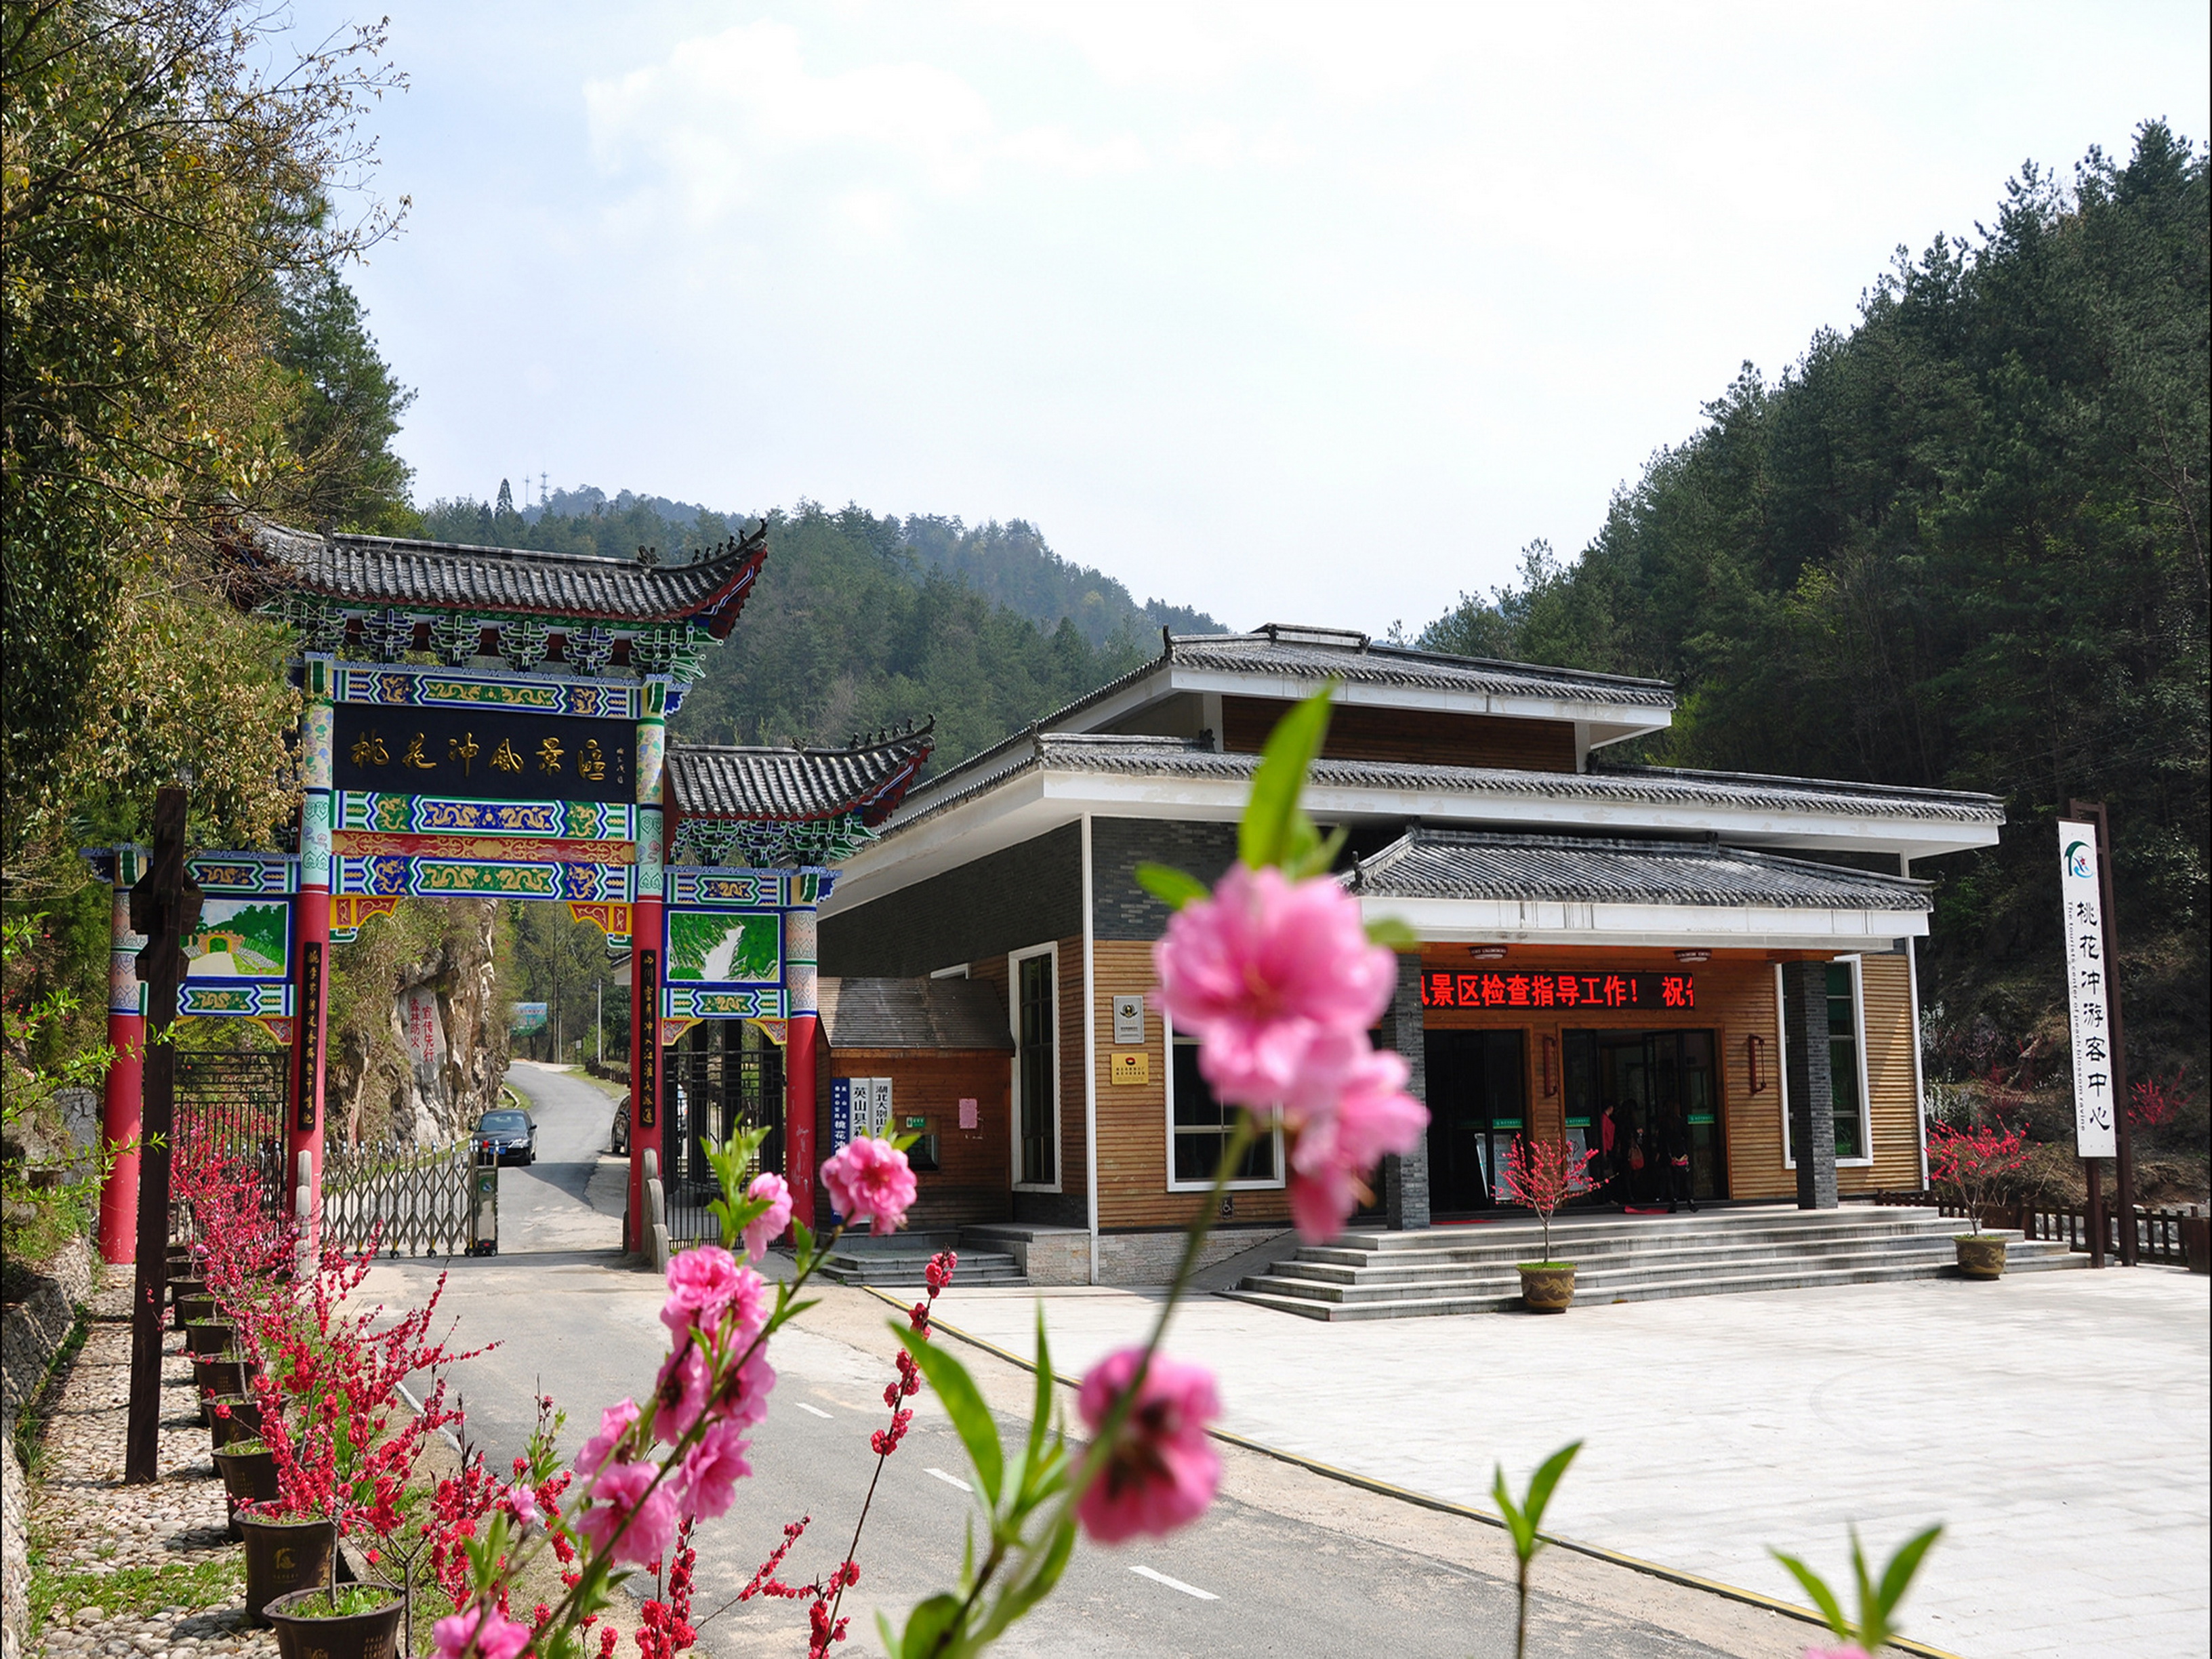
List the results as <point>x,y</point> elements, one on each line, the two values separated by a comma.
<point>1036,799</point>
<point>1519,921</point>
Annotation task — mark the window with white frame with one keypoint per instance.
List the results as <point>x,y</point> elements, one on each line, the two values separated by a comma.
<point>1846,1009</point>
<point>1037,1069</point>
<point>1199,1126</point>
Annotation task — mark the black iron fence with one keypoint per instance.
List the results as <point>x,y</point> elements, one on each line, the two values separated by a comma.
<point>234,1102</point>
<point>707,1093</point>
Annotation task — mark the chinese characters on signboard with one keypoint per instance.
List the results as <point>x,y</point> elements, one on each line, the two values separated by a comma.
<point>2087,985</point>
<point>1555,990</point>
<point>481,754</point>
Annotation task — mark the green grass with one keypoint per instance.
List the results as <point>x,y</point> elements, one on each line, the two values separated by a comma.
<point>136,1592</point>
<point>350,1600</point>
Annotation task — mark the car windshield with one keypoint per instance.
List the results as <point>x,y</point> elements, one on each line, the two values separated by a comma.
<point>501,1123</point>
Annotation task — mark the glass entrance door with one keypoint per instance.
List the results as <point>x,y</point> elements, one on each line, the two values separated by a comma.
<point>1624,1090</point>
<point>1478,1101</point>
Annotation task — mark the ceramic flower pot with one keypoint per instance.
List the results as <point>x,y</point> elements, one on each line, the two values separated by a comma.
<point>1547,1286</point>
<point>249,1477</point>
<point>198,1307</point>
<point>1981,1256</point>
<point>242,1422</point>
<point>179,1290</point>
<point>306,1629</point>
<point>281,1556</point>
<point>206,1335</point>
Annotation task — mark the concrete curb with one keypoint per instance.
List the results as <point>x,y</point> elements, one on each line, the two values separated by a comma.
<point>1424,1500</point>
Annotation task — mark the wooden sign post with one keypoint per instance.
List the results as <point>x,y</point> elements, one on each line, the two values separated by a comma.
<point>165,907</point>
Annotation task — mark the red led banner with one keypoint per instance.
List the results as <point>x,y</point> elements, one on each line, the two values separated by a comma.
<point>1499,989</point>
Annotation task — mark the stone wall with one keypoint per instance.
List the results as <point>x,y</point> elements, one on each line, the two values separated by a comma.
<point>31,1331</point>
<point>432,1061</point>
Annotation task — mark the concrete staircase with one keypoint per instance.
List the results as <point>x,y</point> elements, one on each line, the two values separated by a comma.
<point>1472,1269</point>
<point>899,1259</point>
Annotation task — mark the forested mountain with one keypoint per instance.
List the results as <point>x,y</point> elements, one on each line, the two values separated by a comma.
<point>852,626</point>
<point>1960,544</point>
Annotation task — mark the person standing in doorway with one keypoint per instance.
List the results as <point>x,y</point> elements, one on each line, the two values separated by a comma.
<point>1674,1157</point>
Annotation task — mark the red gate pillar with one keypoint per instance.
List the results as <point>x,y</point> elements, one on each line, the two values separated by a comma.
<point>303,1131</point>
<point>799,1005</point>
<point>126,1035</point>
<point>646,945</point>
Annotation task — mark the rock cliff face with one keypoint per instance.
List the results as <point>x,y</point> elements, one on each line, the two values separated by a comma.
<point>419,1039</point>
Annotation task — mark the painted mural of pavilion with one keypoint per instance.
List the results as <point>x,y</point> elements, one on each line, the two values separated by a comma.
<point>493,722</point>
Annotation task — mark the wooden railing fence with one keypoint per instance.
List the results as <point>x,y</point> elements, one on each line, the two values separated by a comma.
<point>2160,1235</point>
<point>410,1200</point>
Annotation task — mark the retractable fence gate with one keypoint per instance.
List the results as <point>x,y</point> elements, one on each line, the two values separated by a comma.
<point>707,1092</point>
<point>406,1200</point>
<point>234,1104</point>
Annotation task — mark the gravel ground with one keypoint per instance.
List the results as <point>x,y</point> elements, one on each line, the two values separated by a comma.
<point>84,1521</point>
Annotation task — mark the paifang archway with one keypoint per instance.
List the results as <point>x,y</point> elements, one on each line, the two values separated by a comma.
<point>493,722</point>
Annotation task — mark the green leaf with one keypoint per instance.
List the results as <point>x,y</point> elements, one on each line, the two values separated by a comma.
<point>1173,888</point>
<point>1516,1524</point>
<point>1823,1598</point>
<point>926,1626</point>
<point>1542,1482</point>
<point>1314,855</point>
<point>1275,829</point>
<point>802,1238</point>
<point>1390,932</point>
<point>1897,1577</point>
<point>887,1636</point>
<point>1040,1407</point>
<point>964,1404</point>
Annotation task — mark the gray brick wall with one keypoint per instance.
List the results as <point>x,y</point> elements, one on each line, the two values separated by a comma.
<point>1811,1086</point>
<point>1406,1180</point>
<point>1120,908</point>
<point>1005,901</point>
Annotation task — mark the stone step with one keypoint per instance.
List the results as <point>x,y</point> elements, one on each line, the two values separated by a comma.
<point>1605,1281</point>
<point>892,1268</point>
<point>1402,1270</point>
<point>1782,1227</point>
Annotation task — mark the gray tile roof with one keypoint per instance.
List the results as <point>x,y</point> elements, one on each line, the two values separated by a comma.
<point>913,1013</point>
<point>1172,757</point>
<point>708,780</point>
<point>1427,863</point>
<point>385,571</point>
<point>1314,654</point>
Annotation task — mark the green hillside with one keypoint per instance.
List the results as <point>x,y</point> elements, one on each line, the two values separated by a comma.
<point>1960,544</point>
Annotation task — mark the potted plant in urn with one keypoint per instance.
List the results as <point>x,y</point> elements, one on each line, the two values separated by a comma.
<point>1972,1164</point>
<point>1543,1174</point>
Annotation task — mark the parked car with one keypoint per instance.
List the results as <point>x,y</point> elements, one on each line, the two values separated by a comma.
<point>509,1136</point>
<point>618,1133</point>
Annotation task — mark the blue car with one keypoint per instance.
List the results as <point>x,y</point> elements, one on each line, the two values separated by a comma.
<point>507,1136</point>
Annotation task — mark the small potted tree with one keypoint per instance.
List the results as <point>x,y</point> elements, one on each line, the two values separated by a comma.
<point>1972,1164</point>
<point>1543,1174</point>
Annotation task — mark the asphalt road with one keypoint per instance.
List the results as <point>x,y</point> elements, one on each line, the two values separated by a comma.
<point>1286,1562</point>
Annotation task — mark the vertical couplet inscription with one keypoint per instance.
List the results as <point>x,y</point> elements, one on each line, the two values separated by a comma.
<point>310,1031</point>
<point>648,1047</point>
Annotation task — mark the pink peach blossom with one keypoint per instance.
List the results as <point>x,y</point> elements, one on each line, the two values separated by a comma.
<point>628,1515</point>
<point>741,1400</point>
<point>492,1635</point>
<point>1333,1152</point>
<point>869,1179</point>
<point>701,1282</point>
<point>1258,970</point>
<point>679,1393</point>
<point>1161,1471</point>
<point>614,1422</point>
<point>712,1470</point>
<point>764,1232</point>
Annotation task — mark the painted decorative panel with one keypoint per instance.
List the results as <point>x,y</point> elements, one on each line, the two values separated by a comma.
<point>416,688</point>
<point>214,1000</point>
<point>689,1002</point>
<point>482,754</point>
<point>416,875</point>
<point>726,947</point>
<point>244,872</point>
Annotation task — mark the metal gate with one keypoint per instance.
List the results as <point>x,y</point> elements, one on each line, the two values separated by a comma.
<point>708,1092</point>
<point>409,1200</point>
<point>234,1102</point>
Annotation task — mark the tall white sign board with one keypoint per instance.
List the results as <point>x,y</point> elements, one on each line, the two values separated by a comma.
<point>2088,983</point>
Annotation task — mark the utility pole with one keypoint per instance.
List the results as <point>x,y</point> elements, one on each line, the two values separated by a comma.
<point>599,1020</point>
<point>165,907</point>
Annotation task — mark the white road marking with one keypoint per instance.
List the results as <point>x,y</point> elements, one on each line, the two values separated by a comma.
<point>1172,1583</point>
<point>950,1480</point>
<point>816,1410</point>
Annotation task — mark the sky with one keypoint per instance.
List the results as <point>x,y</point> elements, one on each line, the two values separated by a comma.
<point>1310,313</point>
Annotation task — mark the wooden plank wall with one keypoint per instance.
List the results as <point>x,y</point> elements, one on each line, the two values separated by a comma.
<point>972,1183</point>
<point>1893,1100</point>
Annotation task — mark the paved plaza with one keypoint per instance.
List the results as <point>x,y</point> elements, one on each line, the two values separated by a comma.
<point>2057,1424</point>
